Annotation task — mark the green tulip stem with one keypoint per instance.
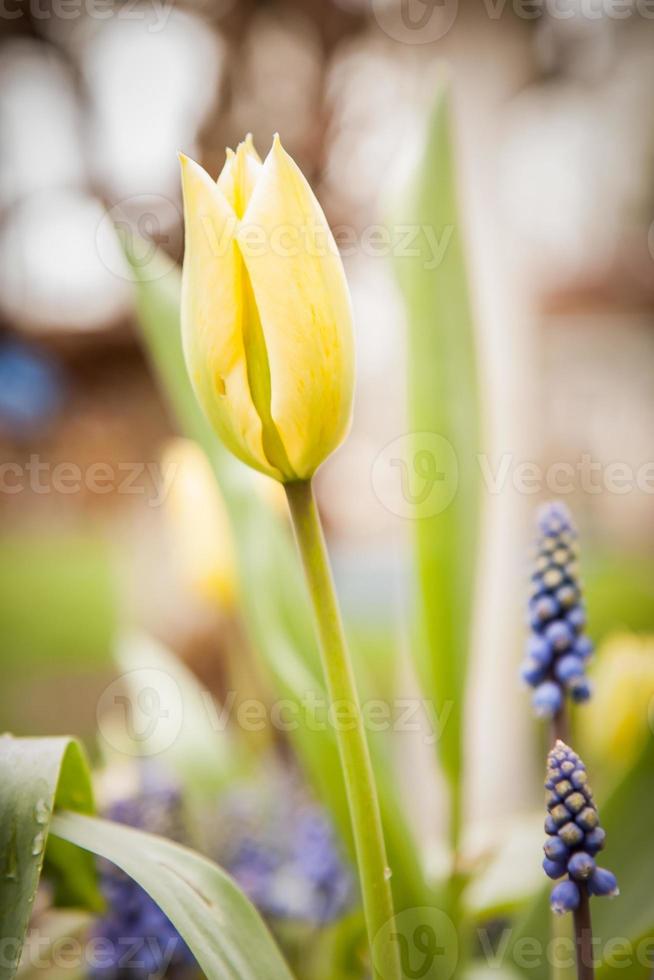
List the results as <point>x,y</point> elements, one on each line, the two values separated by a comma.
<point>374,873</point>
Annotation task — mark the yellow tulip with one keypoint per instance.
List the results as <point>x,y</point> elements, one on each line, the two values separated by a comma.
<point>199,525</point>
<point>266,314</point>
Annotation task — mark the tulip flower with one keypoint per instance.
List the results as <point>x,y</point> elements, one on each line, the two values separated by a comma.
<point>266,315</point>
<point>267,332</point>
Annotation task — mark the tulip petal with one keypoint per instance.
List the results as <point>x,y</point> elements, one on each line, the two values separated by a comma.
<point>212,312</point>
<point>239,175</point>
<point>304,308</point>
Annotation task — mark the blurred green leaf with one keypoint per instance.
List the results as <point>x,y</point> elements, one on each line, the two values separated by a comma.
<point>444,422</point>
<point>274,593</point>
<point>221,927</point>
<point>202,753</point>
<point>37,774</point>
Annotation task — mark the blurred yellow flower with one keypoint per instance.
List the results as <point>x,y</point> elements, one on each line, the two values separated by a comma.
<point>199,524</point>
<point>617,720</point>
<point>266,315</point>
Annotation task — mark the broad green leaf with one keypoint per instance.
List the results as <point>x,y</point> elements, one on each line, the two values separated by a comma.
<point>37,774</point>
<point>274,593</point>
<point>441,475</point>
<point>221,927</point>
<point>627,819</point>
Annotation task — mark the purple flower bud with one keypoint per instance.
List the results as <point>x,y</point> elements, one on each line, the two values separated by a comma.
<point>583,647</point>
<point>539,650</point>
<point>565,897</point>
<point>547,699</point>
<point>581,866</point>
<point>554,869</point>
<point>532,673</point>
<point>576,618</point>
<point>559,635</point>
<point>594,840</point>
<point>568,667</point>
<point>603,882</point>
<point>555,849</point>
<point>580,690</point>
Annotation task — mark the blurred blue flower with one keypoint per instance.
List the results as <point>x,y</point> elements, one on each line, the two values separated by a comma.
<point>31,389</point>
<point>557,650</point>
<point>138,940</point>
<point>574,833</point>
<point>283,852</point>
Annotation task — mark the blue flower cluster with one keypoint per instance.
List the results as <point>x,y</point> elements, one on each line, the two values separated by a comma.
<point>138,940</point>
<point>557,650</point>
<point>285,856</point>
<point>574,832</point>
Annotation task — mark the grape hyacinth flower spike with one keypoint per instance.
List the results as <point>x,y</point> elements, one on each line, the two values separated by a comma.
<point>574,839</point>
<point>557,650</point>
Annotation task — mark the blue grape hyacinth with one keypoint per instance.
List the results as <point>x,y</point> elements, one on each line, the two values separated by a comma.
<point>574,834</point>
<point>138,940</point>
<point>558,649</point>
<point>283,851</point>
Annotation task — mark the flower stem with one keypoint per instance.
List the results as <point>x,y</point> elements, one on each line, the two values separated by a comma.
<point>584,936</point>
<point>353,747</point>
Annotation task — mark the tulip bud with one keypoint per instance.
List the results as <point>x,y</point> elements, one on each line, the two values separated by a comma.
<point>197,517</point>
<point>266,315</point>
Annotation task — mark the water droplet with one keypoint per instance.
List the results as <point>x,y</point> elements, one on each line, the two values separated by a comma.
<point>41,811</point>
<point>388,873</point>
<point>37,843</point>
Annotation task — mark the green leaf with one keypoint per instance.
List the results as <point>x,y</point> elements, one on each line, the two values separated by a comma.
<point>444,419</point>
<point>221,927</point>
<point>37,774</point>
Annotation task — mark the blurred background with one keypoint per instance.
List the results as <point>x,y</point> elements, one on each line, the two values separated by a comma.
<point>554,129</point>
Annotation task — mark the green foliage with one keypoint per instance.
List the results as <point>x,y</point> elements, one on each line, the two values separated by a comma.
<point>36,774</point>
<point>443,401</point>
<point>221,927</point>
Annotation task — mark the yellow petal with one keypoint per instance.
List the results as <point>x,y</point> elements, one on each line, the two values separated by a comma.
<point>212,311</point>
<point>197,518</point>
<point>239,175</point>
<point>304,307</point>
